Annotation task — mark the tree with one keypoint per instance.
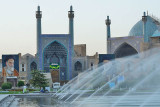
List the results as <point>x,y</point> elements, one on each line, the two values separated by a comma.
<point>38,79</point>
<point>6,85</point>
<point>20,83</point>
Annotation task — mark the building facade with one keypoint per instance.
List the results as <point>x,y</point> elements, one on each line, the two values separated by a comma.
<point>55,50</point>
<point>144,35</point>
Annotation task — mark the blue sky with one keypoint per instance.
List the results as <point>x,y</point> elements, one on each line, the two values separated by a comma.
<point>18,22</point>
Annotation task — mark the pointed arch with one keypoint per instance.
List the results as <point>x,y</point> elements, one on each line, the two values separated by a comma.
<point>78,66</point>
<point>125,49</point>
<point>55,53</point>
<point>33,66</point>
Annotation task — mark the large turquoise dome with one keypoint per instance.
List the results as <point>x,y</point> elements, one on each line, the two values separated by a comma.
<point>151,26</point>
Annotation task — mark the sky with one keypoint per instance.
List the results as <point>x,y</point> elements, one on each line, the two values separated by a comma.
<point>18,22</point>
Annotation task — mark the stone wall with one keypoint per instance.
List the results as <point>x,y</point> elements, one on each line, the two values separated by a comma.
<point>80,50</point>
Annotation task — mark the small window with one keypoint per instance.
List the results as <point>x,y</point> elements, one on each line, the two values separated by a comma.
<point>23,69</point>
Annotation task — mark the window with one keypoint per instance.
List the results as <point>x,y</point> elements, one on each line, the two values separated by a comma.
<point>23,68</point>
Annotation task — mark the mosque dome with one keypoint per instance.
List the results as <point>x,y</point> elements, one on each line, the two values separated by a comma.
<point>152,25</point>
<point>156,33</point>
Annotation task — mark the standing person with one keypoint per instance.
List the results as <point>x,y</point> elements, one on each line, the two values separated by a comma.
<point>24,89</point>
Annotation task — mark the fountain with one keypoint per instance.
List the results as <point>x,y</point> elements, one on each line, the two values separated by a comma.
<point>129,81</point>
<point>92,88</point>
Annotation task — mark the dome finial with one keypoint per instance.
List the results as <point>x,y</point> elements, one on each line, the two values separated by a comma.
<point>144,19</point>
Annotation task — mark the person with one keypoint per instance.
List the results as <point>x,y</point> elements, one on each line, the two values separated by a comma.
<point>24,89</point>
<point>9,69</point>
<point>42,90</point>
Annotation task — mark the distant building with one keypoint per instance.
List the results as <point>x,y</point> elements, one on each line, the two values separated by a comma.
<point>61,60</point>
<point>56,50</point>
<point>144,35</point>
<point>81,61</point>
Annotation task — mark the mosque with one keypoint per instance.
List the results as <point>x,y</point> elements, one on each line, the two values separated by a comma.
<point>144,35</point>
<point>59,49</point>
<point>60,59</point>
<point>56,56</point>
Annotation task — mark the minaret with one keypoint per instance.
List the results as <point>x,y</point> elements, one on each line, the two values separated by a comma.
<point>144,19</point>
<point>71,26</point>
<point>38,17</point>
<point>108,22</point>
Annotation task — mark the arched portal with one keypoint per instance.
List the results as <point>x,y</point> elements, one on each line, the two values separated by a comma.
<point>125,50</point>
<point>78,66</point>
<point>33,66</point>
<point>55,53</point>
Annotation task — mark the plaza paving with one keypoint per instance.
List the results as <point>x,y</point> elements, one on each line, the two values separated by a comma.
<point>2,96</point>
<point>6,100</point>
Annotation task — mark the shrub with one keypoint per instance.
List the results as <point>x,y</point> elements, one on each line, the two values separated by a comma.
<point>16,90</point>
<point>6,85</point>
<point>32,89</point>
<point>20,83</point>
